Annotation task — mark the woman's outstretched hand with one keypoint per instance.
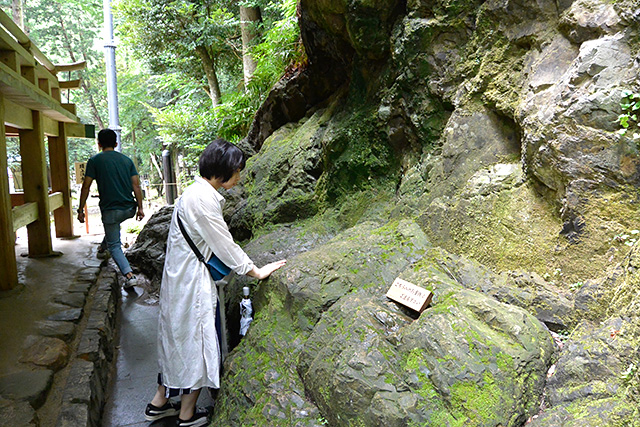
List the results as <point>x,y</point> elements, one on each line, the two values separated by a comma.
<point>265,271</point>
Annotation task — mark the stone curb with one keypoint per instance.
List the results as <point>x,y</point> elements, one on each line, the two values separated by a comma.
<point>85,392</point>
<point>78,343</point>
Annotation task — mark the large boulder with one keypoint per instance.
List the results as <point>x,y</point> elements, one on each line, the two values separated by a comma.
<point>333,338</point>
<point>470,148</point>
<point>596,380</point>
<point>148,252</point>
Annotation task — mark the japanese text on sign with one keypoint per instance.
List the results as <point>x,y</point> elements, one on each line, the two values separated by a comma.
<point>410,295</point>
<point>80,169</point>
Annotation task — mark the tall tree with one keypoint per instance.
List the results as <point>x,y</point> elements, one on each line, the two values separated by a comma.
<point>189,36</point>
<point>250,19</point>
<point>17,15</point>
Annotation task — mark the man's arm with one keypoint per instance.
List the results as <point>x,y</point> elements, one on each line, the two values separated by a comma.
<point>137,192</point>
<point>84,193</point>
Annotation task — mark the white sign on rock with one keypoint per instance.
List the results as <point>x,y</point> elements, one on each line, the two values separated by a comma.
<point>410,295</point>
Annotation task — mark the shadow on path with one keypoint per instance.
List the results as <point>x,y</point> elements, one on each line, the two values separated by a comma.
<point>134,381</point>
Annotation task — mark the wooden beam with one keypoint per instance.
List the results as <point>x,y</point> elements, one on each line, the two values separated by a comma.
<point>56,201</point>
<point>10,58</point>
<point>17,116</point>
<point>80,65</point>
<point>43,73</point>
<point>17,89</point>
<point>42,59</point>
<point>70,84</point>
<point>8,265</point>
<point>70,108</point>
<point>60,183</point>
<point>79,130</point>
<point>50,126</point>
<point>35,186</point>
<point>14,29</point>
<point>7,42</point>
<point>29,73</point>
<point>24,215</point>
<point>44,86</point>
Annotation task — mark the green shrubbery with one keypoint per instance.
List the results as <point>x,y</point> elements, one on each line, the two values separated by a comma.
<point>630,104</point>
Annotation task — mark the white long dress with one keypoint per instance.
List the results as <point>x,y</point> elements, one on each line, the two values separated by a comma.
<point>188,349</point>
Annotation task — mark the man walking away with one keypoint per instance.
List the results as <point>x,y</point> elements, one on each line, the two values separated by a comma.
<point>120,195</point>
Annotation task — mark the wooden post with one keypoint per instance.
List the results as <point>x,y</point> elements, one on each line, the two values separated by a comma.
<point>36,188</point>
<point>8,267</point>
<point>60,181</point>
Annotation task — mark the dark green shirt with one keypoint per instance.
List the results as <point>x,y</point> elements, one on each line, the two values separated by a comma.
<point>113,171</point>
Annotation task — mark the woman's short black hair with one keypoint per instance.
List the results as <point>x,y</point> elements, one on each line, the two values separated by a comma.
<point>107,138</point>
<point>221,159</point>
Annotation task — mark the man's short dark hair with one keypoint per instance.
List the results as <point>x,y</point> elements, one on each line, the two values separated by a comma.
<point>221,159</point>
<point>107,138</point>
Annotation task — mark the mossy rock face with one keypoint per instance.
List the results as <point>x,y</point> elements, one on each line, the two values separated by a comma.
<point>487,221</point>
<point>552,306</point>
<point>596,382</point>
<point>279,184</point>
<point>569,113</point>
<point>466,361</point>
<point>261,381</point>
<point>363,256</point>
<point>364,24</point>
<point>357,155</point>
<point>325,332</point>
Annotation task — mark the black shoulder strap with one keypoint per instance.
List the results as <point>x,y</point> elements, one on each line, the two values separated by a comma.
<point>189,241</point>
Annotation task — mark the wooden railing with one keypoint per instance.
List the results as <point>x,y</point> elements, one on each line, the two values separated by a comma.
<point>26,213</point>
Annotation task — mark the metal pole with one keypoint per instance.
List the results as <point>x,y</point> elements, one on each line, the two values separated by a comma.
<point>112,82</point>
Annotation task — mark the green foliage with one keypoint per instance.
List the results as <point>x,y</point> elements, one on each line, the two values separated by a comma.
<point>165,36</point>
<point>630,104</point>
<point>160,73</point>
<point>134,228</point>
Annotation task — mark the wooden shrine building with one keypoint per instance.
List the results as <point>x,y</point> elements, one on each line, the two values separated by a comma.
<point>31,109</point>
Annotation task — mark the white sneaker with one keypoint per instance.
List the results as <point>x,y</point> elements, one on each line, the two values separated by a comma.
<point>130,283</point>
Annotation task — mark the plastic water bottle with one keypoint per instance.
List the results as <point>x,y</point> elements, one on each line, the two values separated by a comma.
<point>246,312</point>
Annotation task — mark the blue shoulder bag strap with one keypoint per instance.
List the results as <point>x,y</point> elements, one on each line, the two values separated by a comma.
<point>216,267</point>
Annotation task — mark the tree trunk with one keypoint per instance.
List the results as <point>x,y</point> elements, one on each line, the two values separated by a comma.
<point>84,84</point>
<point>18,15</point>
<point>133,145</point>
<point>250,18</point>
<point>157,166</point>
<point>210,71</point>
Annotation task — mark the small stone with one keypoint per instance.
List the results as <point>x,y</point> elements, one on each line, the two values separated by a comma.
<point>31,386</point>
<point>90,270</point>
<point>55,329</point>
<point>89,347</point>
<point>81,286</point>
<point>72,299</point>
<point>73,415</point>
<point>48,352</point>
<point>17,414</point>
<point>78,389</point>
<point>73,314</point>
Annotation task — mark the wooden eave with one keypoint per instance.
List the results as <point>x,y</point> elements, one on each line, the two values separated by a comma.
<point>19,90</point>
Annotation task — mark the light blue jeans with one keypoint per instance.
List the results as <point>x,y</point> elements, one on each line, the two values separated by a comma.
<point>111,220</point>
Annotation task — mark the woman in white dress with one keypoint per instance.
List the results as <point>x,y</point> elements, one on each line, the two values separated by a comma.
<point>188,349</point>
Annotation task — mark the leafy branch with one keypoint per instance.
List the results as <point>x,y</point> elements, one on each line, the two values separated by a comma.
<point>630,104</point>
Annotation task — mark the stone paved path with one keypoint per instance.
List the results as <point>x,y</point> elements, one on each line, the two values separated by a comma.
<point>134,382</point>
